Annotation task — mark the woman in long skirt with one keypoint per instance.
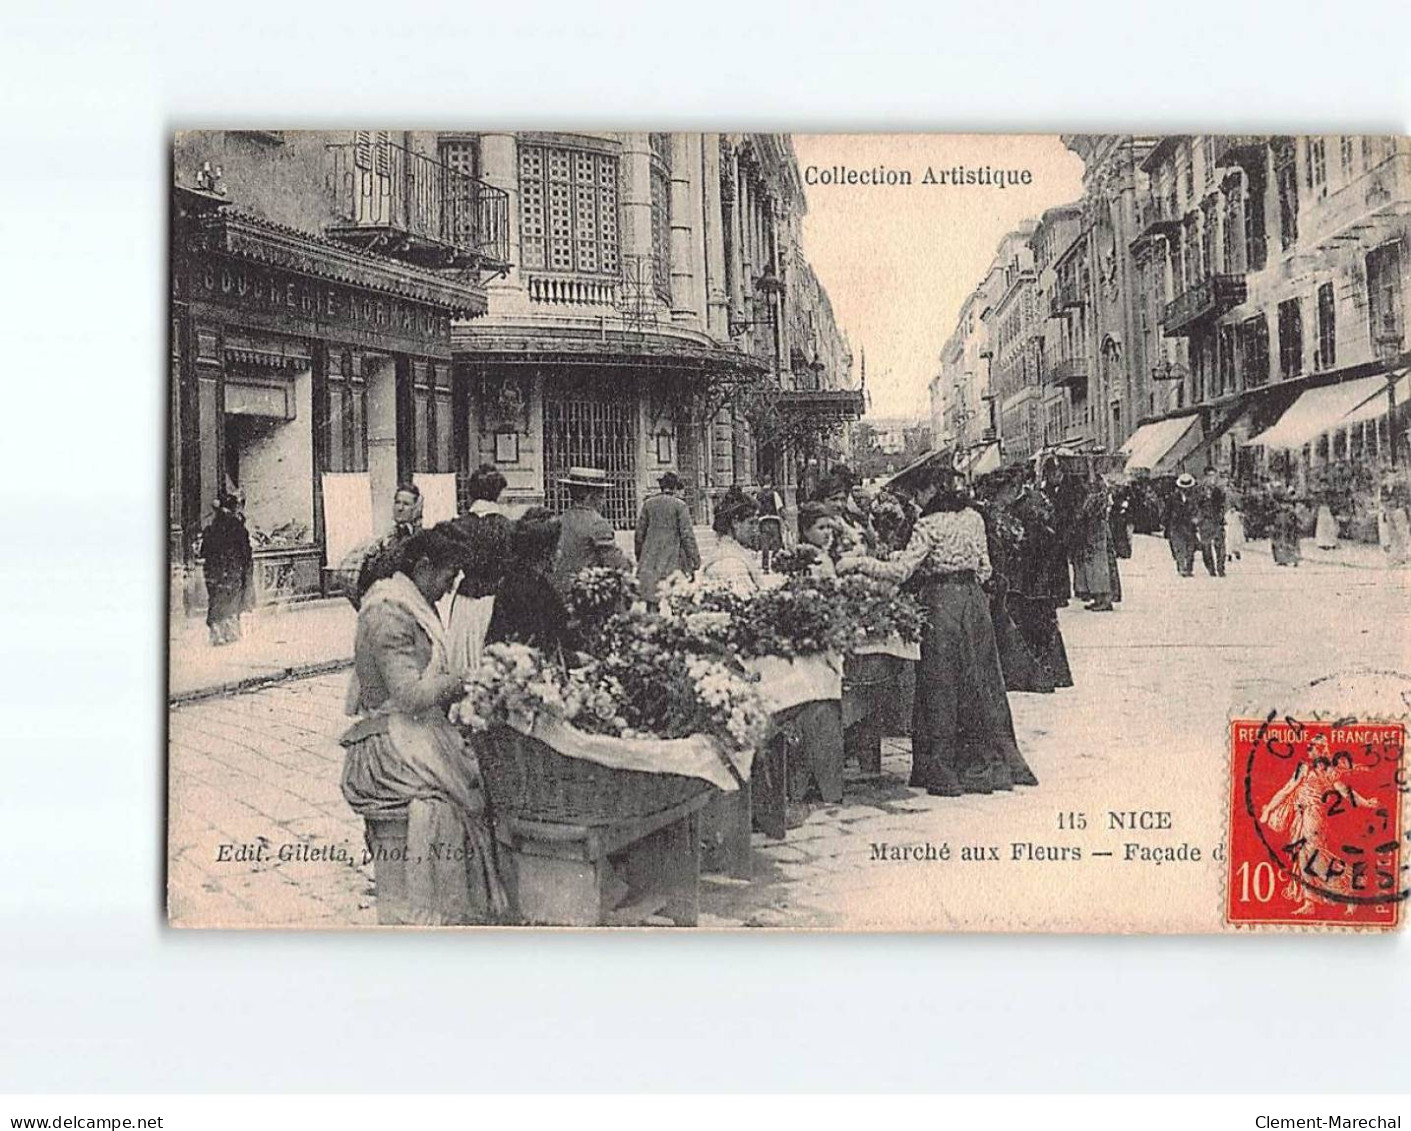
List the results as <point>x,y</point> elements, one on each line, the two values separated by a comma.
<point>962,731</point>
<point>1234,532</point>
<point>1325,532</point>
<point>1284,541</point>
<point>403,758</point>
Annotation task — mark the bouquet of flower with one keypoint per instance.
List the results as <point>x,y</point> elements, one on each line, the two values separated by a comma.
<point>889,519</point>
<point>879,610</point>
<point>599,592</point>
<point>803,616</point>
<point>643,689</point>
<point>515,682</point>
<point>799,559</point>
<point>668,689</point>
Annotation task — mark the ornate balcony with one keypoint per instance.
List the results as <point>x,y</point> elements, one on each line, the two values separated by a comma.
<point>1065,296</point>
<point>1156,217</point>
<point>1207,299</point>
<point>397,202</point>
<point>1068,371</point>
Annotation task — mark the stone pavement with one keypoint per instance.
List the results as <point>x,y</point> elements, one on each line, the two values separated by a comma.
<point>279,641</point>
<point>1142,730</point>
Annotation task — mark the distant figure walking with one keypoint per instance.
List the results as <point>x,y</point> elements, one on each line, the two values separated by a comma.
<point>1210,523</point>
<point>1180,524</point>
<point>665,541</point>
<point>1234,531</point>
<point>1285,540</point>
<point>228,565</point>
<point>1325,531</point>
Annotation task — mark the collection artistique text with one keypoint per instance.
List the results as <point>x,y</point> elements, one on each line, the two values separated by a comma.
<point>985,176</point>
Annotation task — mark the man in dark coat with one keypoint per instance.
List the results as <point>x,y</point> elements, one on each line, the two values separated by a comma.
<point>229,566</point>
<point>1180,522</point>
<point>1210,523</point>
<point>585,537</point>
<point>665,541</point>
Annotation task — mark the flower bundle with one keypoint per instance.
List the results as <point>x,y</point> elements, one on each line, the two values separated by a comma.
<point>599,592</point>
<point>517,682</point>
<point>803,616</point>
<point>798,559</point>
<point>880,610</point>
<point>645,688</point>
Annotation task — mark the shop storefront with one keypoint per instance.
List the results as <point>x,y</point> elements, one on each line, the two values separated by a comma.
<point>309,378</point>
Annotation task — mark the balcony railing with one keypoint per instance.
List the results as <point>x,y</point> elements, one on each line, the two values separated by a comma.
<point>1156,216</point>
<point>1068,371</point>
<point>1065,296</point>
<point>571,290</point>
<point>1209,298</point>
<point>393,200</point>
<point>1366,206</point>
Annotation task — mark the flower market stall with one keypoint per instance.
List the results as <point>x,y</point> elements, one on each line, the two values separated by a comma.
<point>598,765</point>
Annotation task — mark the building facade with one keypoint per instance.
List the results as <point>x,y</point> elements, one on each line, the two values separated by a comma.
<point>354,309</point>
<point>1216,287</point>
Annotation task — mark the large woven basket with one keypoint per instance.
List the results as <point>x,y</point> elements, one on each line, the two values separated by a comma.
<point>526,778</point>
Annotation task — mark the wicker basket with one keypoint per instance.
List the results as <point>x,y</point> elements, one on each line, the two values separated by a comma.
<point>525,778</point>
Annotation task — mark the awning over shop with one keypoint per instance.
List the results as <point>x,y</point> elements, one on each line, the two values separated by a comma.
<point>1375,406</point>
<point>1160,446</point>
<point>1323,409</point>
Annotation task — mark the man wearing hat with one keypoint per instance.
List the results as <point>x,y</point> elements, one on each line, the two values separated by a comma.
<point>585,536</point>
<point>665,542</point>
<point>1181,511</point>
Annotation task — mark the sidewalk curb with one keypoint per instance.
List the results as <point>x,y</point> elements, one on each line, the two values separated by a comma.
<point>255,682</point>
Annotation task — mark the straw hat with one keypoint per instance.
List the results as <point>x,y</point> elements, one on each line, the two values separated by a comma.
<point>585,477</point>
<point>1185,480</point>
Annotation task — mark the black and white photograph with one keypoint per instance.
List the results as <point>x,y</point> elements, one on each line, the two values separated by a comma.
<point>808,532</point>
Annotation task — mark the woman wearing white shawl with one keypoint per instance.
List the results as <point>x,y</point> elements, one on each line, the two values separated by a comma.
<point>404,756</point>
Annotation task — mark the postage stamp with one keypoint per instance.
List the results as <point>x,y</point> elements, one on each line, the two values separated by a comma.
<point>1316,833</point>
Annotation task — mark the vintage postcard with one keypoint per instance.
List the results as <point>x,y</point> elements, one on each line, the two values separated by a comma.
<point>807,532</point>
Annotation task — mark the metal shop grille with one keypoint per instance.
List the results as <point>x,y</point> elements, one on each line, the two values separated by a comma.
<point>592,424</point>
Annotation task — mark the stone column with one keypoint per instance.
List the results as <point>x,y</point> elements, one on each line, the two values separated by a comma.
<point>717,296</point>
<point>499,167</point>
<point>636,186</point>
<point>687,305</point>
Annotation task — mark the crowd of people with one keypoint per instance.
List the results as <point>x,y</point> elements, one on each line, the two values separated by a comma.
<point>991,562</point>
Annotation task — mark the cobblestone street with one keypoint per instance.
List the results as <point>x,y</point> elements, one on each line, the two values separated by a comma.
<point>1144,724</point>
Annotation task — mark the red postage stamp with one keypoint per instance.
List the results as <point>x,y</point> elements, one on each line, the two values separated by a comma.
<point>1316,833</point>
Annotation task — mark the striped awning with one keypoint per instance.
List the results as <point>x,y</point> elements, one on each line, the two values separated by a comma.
<point>1328,407</point>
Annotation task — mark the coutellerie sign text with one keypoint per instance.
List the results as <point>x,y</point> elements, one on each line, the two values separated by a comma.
<point>316,307</point>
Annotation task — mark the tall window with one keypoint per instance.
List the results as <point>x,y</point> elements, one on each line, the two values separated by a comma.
<point>1255,242</point>
<point>661,226</point>
<point>1254,351</point>
<point>1345,156</point>
<point>1225,370</point>
<point>1316,166</point>
<point>1327,328</point>
<point>1384,298</point>
<point>1286,179</point>
<point>1210,232</point>
<point>1290,338</point>
<point>568,210</point>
